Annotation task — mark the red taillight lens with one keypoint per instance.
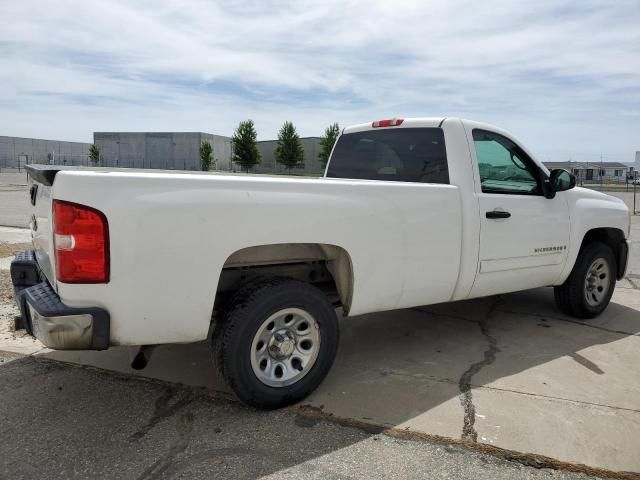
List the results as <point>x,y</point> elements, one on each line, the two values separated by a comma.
<point>393,122</point>
<point>81,241</point>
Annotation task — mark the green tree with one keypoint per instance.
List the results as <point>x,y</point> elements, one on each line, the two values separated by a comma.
<point>289,151</point>
<point>206,153</point>
<point>326,143</point>
<point>94,153</point>
<point>245,147</point>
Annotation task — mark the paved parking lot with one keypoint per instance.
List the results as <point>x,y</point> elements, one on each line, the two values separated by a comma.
<point>64,422</point>
<point>507,372</point>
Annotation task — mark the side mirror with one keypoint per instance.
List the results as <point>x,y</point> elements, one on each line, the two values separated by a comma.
<point>561,180</point>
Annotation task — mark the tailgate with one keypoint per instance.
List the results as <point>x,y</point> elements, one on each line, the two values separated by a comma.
<point>40,186</point>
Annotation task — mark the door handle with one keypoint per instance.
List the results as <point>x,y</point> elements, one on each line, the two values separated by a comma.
<point>498,214</point>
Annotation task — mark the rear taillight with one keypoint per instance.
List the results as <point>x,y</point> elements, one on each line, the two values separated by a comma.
<point>81,242</point>
<point>393,122</point>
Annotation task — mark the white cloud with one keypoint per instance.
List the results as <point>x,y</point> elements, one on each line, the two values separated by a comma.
<point>562,75</point>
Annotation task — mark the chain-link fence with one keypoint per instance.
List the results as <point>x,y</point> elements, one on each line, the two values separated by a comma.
<point>16,152</point>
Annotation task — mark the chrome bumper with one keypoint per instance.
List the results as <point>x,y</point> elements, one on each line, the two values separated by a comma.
<point>45,317</point>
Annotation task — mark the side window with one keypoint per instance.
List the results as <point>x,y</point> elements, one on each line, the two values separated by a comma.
<point>504,167</point>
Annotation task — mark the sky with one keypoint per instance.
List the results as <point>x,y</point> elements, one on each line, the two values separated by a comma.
<point>562,76</point>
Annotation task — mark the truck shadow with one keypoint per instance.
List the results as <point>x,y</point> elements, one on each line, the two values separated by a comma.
<point>396,367</point>
<point>423,369</point>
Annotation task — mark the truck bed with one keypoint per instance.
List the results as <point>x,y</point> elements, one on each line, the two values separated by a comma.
<point>172,233</point>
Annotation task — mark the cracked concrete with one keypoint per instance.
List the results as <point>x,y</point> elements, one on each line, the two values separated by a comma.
<point>542,393</point>
<point>166,406</point>
<point>86,417</point>
<point>159,467</point>
<point>465,383</point>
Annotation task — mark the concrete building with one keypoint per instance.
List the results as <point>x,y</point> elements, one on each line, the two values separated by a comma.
<point>181,151</point>
<point>15,152</point>
<point>162,150</point>
<point>595,172</point>
<point>268,163</point>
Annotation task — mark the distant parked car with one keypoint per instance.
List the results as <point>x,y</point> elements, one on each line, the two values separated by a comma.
<point>636,181</point>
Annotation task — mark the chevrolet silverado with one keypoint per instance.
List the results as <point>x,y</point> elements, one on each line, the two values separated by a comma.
<point>409,212</point>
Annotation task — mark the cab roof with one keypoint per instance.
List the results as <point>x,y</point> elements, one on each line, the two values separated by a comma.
<point>417,122</point>
<point>421,122</point>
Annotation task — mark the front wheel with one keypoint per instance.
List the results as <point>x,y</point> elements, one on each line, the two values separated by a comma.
<point>276,342</point>
<point>587,291</point>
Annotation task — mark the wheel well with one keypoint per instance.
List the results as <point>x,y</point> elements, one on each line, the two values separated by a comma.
<point>613,238</point>
<point>327,267</point>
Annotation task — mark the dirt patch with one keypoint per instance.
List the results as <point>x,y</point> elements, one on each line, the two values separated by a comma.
<point>10,338</point>
<point>13,340</point>
<point>6,287</point>
<point>10,249</point>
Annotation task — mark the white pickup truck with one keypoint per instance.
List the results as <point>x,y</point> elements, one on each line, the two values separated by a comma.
<point>409,212</point>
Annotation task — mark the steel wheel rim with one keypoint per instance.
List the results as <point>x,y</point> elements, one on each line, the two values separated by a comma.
<point>285,347</point>
<point>597,281</point>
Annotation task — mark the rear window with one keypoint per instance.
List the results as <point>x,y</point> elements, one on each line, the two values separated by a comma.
<point>398,154</point>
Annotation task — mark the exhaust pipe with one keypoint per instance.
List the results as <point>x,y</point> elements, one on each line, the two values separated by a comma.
<point>142,357</point>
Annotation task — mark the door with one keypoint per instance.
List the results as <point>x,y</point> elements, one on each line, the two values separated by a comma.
<point>523,235</point>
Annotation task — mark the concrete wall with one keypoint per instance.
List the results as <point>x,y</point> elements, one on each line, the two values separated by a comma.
<point>268,162</point>
<point>162,150</point>
<point>221,150</point>
<point>15,152</point>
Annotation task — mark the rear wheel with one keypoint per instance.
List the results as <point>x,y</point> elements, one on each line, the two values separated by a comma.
<point>587,291</point>
<point>276,342</point>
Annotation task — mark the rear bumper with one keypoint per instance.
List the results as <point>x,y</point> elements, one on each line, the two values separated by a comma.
<point>45,317</point>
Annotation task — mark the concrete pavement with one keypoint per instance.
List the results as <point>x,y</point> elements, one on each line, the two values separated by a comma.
<point>14,199</point>
<point>486,371</point>
<point>14,235</point>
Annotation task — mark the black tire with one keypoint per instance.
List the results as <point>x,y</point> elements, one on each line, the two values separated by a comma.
<point>238,324</point>
<point>571,297</point>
